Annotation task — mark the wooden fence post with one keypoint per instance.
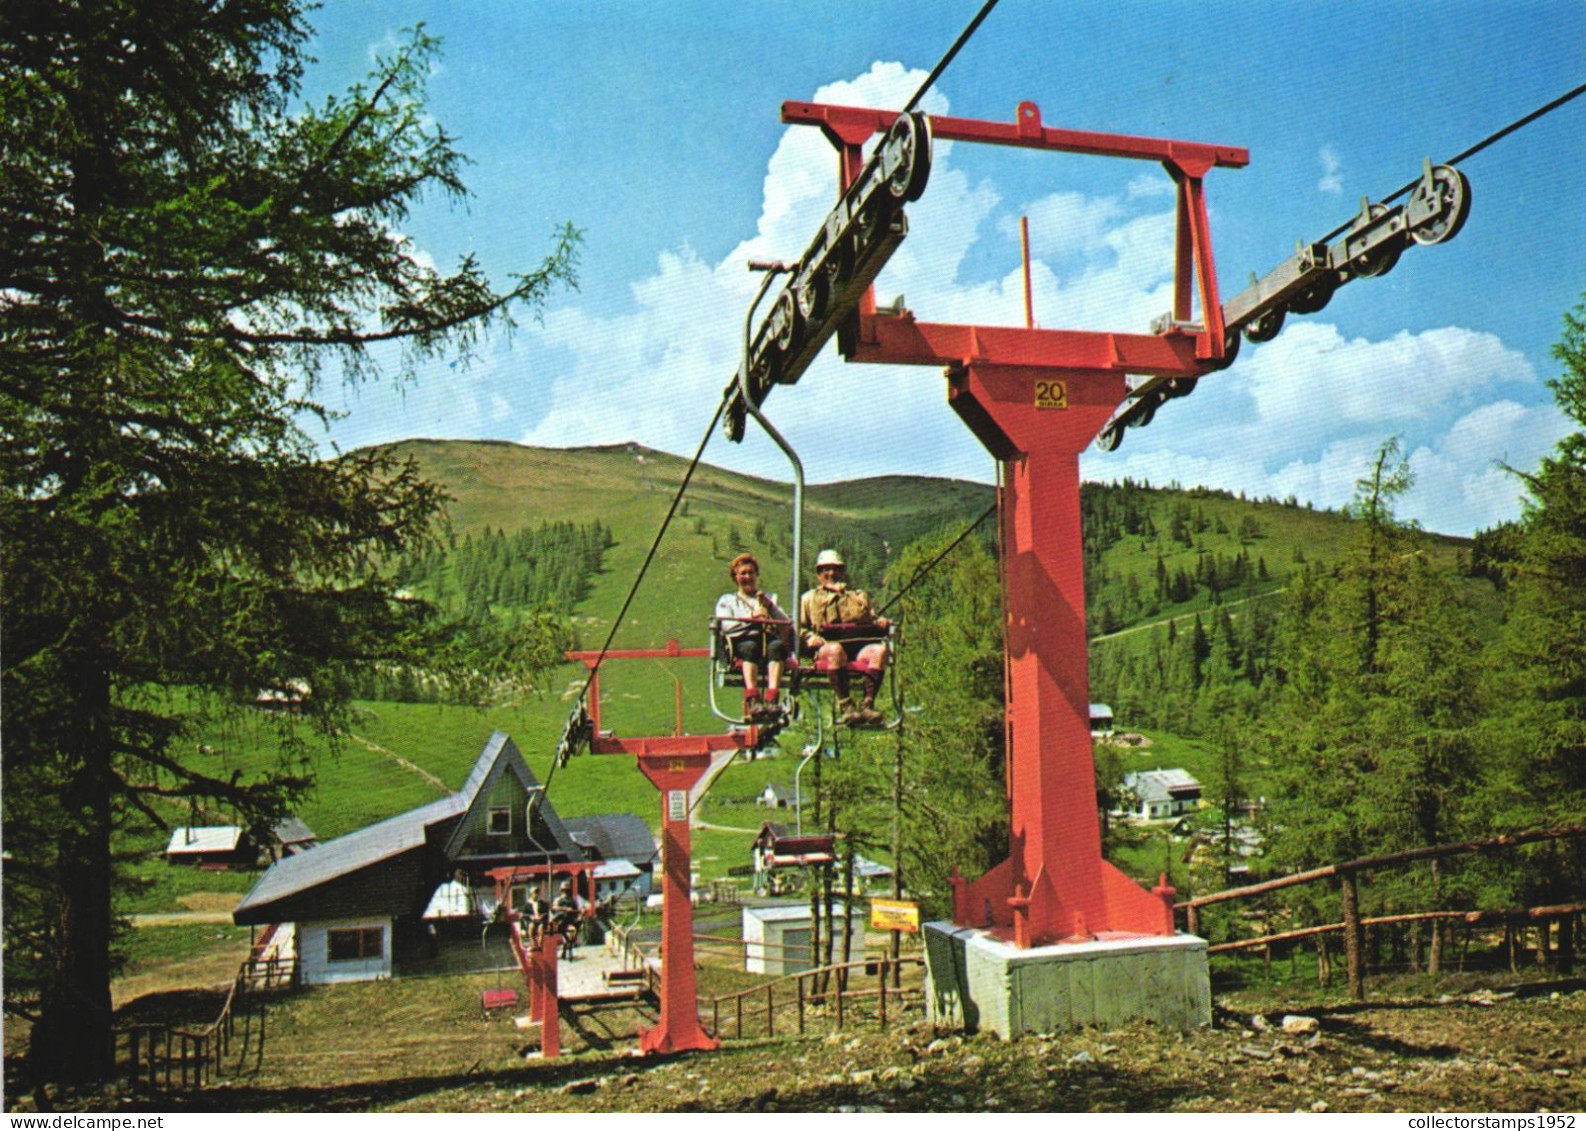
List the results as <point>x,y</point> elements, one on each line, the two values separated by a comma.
<point>1352,936</point>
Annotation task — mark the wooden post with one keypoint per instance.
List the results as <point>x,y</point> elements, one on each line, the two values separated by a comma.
<point>799,981</point>
<point>882,982</point>
<point>1566,944</point>
<point>1192,917</point>
<point>1352,936</point>
<point>770,1010</point>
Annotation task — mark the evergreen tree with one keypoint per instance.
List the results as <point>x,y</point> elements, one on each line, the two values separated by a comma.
<point>1539,680</point>
<point>1379,694</point>
<point>186,255</point>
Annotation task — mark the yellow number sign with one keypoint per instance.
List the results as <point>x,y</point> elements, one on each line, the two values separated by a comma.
<point>1051,394</point>
<point>894,915</point>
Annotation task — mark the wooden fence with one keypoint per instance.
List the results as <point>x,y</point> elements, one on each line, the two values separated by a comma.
<point>1354,925</point>
<point>841,993</point>
<point>164,1057</point>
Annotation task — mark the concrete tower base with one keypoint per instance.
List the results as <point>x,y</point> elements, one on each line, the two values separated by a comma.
<point>976,981</point>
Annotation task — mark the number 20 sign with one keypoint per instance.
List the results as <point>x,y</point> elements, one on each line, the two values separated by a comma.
<point>1051,394</point>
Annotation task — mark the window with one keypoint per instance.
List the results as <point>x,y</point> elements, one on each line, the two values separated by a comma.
<point>355,944</point>
<point>500,820</point>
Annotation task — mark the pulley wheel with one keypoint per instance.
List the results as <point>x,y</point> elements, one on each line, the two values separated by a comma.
<point>1316,296</point>
<point>911,135</point>
<point>1143,415</point>
<point>1180,386</point>
<point>1380,259</point>
<point>1110,439</point>
<point>785,321</point>
<point>1452,188</point>
<point>1266,327</point>
<point>815,295</point>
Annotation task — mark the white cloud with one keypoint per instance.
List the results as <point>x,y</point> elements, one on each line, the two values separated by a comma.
<point>1304,415</point>
<point>1300,415</point>
<point>1332,172</point>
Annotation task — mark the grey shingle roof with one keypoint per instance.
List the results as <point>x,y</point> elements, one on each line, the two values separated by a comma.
<point>614,836</point>
<point>293,875</point>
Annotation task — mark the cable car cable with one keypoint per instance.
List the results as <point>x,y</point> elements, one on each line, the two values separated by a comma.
<point>963,38</point>
<point>616,623</point>
<point>1490,139</point>
<point>930,565</point>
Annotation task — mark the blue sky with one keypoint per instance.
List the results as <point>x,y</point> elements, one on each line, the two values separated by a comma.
<point>654,128</point>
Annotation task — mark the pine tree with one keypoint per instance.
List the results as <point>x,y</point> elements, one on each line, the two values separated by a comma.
<point>186,255</point>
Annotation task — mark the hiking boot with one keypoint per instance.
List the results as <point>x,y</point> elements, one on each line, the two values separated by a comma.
<point>869,716</point>
<point>847,713</point>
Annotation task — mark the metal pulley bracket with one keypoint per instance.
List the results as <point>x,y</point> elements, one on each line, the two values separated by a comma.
<point>849,250</point>
<point>1304,282</point>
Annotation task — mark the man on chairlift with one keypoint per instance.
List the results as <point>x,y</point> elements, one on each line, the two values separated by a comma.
<point>756,631</point>
<point>842,630</point>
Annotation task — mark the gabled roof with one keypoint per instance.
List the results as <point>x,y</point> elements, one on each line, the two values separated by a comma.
<point>614,836</point>
<point>1162,785</point>
<point>500,756</point>
<point>378,843</point>
<point>391,853</point>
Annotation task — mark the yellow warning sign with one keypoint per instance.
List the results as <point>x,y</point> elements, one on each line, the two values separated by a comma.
<point>894,915</point>
<point>1051,394</point>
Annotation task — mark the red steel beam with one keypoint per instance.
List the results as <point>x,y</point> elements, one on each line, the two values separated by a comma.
<point>853,124</point>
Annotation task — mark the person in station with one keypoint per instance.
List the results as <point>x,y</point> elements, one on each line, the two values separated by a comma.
<point>538,914</point>
<point>564,917</point>
<point>756,632</point>
<point>842,630</point>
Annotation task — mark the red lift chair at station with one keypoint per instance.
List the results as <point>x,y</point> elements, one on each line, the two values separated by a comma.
<point>1036,398</point>
<point>538,960</point>
<point>681,766</point>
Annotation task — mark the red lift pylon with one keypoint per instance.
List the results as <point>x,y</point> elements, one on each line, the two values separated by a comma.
<point>1036,398</point>
<point>680,766</point>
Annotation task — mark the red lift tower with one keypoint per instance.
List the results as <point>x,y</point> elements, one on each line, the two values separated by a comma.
<point>1036,398</point>
<point>681,766</point>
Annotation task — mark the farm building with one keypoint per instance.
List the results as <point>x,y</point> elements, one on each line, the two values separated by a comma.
<point>775,796</point>
<point>1160,794</point>
<point>211,846</point>
<point>410,894</point>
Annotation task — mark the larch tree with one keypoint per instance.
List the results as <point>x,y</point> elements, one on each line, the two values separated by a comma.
<point>188,255</point>
<point>1539,679</point>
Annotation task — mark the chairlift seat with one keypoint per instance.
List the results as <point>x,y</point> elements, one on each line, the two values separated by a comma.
<point>498,999</point>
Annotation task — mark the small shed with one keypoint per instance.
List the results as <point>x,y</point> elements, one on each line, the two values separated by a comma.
<point>290,835</point>
<point>210,846</point>
<point>777,937</point>
<point>1101,722</point>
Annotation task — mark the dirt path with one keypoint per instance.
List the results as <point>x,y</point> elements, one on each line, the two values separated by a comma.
<point>177,918</point>
<point>1184,616</point>
<point>403,762</point>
